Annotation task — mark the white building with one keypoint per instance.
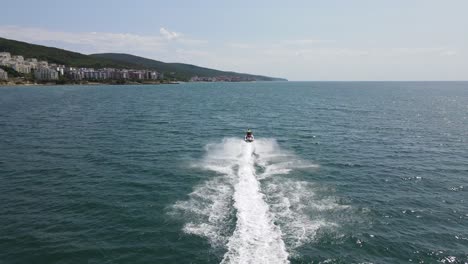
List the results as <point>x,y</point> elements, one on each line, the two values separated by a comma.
<point>32,65</point>
<point>137,75</point>
<point>32,62</point>
<point>5,56</point>
<point>46,74</point>
<point>152,75</point>
<point>17,58</point>
<point>3,75</point>
<point>21,68</point>
<point>124,74</point>
<point>60,69</point>
<point>42,64</point>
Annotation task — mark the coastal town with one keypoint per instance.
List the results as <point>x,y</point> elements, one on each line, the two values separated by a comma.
<point>43,71</point>
<point>16,69</point>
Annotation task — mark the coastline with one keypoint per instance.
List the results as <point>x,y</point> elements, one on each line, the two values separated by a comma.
<point>16,83</point>
<point>12,84</point>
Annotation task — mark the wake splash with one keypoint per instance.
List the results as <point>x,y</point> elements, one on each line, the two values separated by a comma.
<point>251,210</point>
<point>256,239</point>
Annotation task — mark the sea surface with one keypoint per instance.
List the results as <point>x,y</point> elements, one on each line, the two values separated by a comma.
<point>340,172</point>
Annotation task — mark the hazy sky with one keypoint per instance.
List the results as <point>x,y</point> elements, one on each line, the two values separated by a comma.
<point>298,40</point>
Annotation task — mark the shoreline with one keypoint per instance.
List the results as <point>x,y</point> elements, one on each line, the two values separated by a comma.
<point>83,84</point>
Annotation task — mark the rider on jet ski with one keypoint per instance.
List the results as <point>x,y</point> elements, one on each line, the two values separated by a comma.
<point>249,136</point>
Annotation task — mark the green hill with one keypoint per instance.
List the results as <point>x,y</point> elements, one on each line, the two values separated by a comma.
<point>56,55</point>
<point>179,71</point>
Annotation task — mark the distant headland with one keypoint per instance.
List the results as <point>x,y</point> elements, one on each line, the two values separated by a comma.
<point>23,63</point>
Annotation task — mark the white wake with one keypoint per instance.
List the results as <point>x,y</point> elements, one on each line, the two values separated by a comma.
<point>256,239</point>
<point>251,209</point>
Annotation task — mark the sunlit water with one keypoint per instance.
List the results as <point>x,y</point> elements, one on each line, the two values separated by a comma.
<point>372,172</point>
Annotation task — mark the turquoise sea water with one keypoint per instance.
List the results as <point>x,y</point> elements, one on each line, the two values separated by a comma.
<point>340,172</point>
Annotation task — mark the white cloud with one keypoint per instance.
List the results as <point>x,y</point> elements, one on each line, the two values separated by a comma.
<point>100,41</point>
<point>307,41</point>
<point>170,35</point>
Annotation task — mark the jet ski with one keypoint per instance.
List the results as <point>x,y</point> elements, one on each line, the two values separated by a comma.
<point>249,137</point>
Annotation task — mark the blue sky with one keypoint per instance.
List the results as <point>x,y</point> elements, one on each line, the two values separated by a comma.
<point>298,40</point>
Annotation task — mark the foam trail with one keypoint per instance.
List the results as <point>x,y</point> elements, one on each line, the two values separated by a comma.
<point>255,209</point>
<point>256,239</point>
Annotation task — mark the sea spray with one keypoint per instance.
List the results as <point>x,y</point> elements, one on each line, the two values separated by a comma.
<point>256,239</point>
<point>252,208</point>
